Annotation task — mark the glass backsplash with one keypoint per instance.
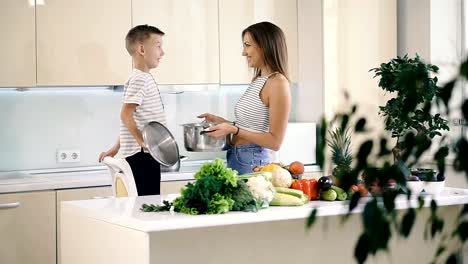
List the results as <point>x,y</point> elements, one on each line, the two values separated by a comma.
<point>35,123</point>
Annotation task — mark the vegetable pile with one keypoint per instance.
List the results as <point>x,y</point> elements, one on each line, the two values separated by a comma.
<point>218,190</point>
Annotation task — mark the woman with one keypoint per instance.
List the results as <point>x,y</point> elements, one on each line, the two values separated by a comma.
<point>262,111</point>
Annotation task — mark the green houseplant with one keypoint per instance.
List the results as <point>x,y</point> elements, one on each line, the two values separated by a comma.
<point>410,108</point>
<point>414,130</point>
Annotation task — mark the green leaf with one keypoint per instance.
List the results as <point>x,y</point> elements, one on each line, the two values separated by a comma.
<point>437,226</point>
<point>354,201</point>
<point>465,109</point>
<point>344,122</point>
<point>364,151</point>
<point>440,250</point>
<point>407,222</point>
<point>311,219</point>
<point>321,144</point>
<point>462,231</point>
<point>433,207</point>
<point>420,202</point>
<point>362,248</point>
<point>446,93</point>
<point>389,200</point>
<point>452,259</point>
<point>361,123</point>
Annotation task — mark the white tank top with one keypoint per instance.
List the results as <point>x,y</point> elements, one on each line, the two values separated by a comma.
<point>250,112</point>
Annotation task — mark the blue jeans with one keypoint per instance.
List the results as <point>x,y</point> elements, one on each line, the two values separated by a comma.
<point>244,158</point>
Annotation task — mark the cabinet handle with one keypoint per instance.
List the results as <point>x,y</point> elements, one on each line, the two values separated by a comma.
<point>9,205</point>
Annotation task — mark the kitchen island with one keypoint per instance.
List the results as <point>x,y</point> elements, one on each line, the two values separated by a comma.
<point>115,231</point>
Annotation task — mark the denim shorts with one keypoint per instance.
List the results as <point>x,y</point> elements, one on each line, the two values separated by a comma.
<point>244,158</point>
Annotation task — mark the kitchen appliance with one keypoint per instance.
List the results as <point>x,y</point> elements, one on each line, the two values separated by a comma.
<point>161,144</point>
<point>196,138</point>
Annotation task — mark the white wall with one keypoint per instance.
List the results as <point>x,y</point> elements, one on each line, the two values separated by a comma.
<point>358,35</point>
<point>433,28</point>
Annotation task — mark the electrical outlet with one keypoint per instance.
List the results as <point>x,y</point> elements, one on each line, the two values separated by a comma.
<point>68,155</point>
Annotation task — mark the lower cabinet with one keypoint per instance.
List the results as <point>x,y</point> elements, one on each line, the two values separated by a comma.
<point>77,194</point>
<point>30,221</point>
<point>28,228</point>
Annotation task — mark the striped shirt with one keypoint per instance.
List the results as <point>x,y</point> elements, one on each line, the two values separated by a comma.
<point>140,89</point>
<point>250,112</point>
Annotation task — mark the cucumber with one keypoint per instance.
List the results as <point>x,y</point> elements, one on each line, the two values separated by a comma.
<point>341,195</point>
<point>282,199</point>
<point>293,192</point>
<point>329,195</point>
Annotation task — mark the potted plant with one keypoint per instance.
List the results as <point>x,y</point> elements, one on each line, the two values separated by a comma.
<point>408,115</point>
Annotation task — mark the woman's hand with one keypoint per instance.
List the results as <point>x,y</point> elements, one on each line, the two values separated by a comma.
<point>212,118</point>
<point>221,130</point>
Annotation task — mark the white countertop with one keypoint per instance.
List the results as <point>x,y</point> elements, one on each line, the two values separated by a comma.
<point>56,179</point>
<point>20,182</point>
<point>126,211</point>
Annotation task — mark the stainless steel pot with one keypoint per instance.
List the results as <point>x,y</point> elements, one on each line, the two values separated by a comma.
<point>196,138</point>
<point>175,167</point>
<point>161,144</point>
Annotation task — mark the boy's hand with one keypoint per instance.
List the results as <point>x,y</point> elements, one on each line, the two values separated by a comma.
<point>110,153</point>
<point>212,118</point>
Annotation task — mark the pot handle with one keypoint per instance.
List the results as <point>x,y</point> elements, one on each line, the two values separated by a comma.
<point>206,131</point>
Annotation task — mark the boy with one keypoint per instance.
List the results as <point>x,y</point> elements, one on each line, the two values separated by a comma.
<point>142,103</point>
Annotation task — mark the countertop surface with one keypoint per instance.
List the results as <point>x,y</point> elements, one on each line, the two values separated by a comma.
<point>25,182</point>
<point>126,211</point>
<point>57,179</point>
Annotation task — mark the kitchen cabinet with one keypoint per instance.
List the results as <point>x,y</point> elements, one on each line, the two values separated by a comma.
<point>191,39</point>
<point>77,194</point>
<point>235,16</point>
<point>172,186</point>
<point>81,42</point>
<point>27,228</point>
<point>18,48</point>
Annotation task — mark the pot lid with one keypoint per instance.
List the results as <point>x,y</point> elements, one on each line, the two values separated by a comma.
<point>160,143</point>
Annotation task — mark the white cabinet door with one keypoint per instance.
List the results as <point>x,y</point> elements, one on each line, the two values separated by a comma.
<point>82,42</point>
<point>27,228</point>
<point>18,47</point>
<point>77,194</point>
<point>235,16</point>
<point>191,39</point>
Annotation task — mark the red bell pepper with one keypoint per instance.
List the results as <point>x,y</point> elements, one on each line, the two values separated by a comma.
<point>306,187</point>
<point>314,190</point>
<point>297,185</point>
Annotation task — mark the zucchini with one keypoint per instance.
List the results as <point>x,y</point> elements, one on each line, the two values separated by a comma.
<point>282,199</point>
<point>267,175</point>
<point>293,192</point>
<point>341,195</point>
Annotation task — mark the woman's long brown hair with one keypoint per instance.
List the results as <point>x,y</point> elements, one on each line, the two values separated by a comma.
<point>271,40</point>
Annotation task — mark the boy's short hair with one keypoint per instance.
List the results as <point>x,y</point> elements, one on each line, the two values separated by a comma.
<point>140,33</point>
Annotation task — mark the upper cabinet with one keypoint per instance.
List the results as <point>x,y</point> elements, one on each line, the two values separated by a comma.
<point>18,47</point>
<point>81,42</point>
<point>191,42</point>
<point>235,16</point>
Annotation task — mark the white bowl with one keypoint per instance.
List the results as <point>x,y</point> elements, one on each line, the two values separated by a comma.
<point>415,187</point>
<point>434,188</point>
